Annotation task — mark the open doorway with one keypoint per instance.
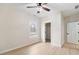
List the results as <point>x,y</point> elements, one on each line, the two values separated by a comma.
<point>48,32</point>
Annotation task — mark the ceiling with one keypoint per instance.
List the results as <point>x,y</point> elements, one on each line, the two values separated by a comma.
<point>67,9</point>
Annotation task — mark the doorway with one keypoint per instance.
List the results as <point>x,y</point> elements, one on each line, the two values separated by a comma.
<point>48,32</point>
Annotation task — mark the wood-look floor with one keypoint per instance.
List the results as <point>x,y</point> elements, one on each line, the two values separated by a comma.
<point>43,49</point>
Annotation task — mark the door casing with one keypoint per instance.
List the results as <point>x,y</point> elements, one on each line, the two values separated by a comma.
<point>43,29</point>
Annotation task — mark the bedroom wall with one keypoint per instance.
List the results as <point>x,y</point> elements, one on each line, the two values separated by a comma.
<point>15,25</point>
<point>63,30</point>
<point>72,18</point>
<point>57,28</point>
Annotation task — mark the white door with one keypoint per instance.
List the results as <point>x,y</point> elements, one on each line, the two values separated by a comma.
<point>77,32</point>
<point>71,32</point>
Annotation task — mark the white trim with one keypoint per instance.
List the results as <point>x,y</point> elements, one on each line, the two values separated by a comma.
<point>43,29</point>
<point>18,47</point>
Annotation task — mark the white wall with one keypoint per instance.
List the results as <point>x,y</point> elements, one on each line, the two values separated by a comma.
<point>63,34</point>
<point>57,28</point>
<point>73,18</point>
<point>15,27</point>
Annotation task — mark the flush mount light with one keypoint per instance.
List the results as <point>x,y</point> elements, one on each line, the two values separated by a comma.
<point>77,6</point>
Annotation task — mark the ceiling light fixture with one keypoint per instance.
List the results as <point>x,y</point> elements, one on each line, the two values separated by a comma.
<point>39,9</point>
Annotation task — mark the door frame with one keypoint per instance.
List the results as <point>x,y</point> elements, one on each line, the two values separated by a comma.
<point>43,30</point>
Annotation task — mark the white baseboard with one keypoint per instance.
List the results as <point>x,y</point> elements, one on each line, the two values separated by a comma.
<point>2,52</point>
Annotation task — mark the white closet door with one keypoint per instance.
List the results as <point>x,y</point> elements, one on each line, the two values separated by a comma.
<point>77,32</point>
<point>71,32</point>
